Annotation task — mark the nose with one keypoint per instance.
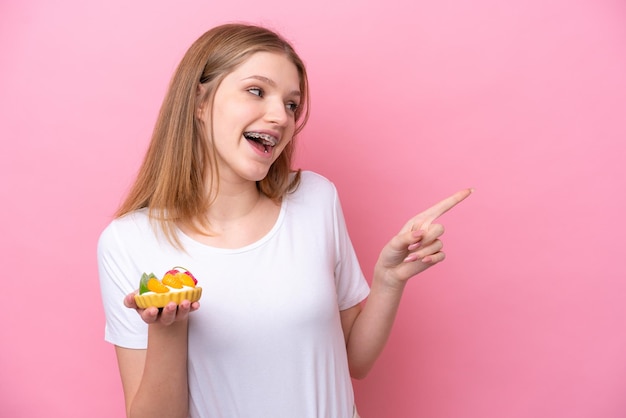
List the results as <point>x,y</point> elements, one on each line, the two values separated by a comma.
<point>276,112</point>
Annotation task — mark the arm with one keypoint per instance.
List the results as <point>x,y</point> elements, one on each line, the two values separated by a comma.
<point>155,380</point>
<point>415,248</point>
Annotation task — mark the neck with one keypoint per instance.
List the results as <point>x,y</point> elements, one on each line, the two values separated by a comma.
<point>238,216</point>
<point>234,201</point>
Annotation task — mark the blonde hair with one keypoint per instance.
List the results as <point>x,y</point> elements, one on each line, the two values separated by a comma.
<point>177,180</point>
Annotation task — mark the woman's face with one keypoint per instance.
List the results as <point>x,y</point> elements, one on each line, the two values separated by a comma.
<point>253,115</point>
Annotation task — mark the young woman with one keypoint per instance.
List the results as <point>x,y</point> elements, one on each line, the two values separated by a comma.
<point>284,324</point>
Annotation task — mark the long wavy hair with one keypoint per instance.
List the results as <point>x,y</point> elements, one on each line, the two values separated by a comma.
<point>178,179</point>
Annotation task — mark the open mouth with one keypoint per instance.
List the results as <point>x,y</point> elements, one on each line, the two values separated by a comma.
<point>261,141</point>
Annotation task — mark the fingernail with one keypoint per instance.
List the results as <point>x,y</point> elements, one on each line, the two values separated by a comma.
<point>410,258</point>
<point>414,246</point>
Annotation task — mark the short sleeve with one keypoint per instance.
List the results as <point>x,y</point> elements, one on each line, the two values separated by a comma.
<point>123,327</point>
<point>352,287</point>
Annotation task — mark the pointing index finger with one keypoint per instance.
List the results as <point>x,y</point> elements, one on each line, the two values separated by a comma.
<point>445,205</point>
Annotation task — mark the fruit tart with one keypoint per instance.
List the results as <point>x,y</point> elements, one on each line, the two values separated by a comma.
<point>177,284</point>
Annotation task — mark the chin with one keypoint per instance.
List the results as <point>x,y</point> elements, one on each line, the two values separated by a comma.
<point>256,177</point>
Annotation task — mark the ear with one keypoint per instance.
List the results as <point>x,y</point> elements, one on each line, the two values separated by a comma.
<point>201,100</point>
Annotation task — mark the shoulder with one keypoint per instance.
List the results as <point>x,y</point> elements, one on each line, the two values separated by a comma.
<point>133,244</point>
<point>312,183</point>
<point>128,230</point>
<point>315,198</point>
<point>126,225</point>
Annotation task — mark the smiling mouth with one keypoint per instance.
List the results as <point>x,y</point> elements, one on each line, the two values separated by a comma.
<point>263,142</point>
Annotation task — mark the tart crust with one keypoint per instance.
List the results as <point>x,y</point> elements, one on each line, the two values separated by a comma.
<point>159,300</point>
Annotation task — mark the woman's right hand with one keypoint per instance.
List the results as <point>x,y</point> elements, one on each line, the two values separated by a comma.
<point>167,315</point>
<point>162,366</point>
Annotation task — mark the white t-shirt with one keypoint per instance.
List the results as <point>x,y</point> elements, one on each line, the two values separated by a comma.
<point>267,339</point>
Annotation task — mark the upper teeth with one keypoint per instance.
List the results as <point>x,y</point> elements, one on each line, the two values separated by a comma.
<point>266,139</point>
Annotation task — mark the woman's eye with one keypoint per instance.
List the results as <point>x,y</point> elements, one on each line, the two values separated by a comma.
<point>292,107</point>
<point>256,91</point>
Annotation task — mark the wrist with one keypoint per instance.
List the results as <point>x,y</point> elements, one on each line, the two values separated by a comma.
<point>386,279</point>
<point>175,329</point>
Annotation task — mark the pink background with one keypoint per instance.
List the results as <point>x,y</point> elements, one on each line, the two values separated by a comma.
<point>412,100</point>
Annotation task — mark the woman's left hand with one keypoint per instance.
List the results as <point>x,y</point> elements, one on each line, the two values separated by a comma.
<point>417,246</point>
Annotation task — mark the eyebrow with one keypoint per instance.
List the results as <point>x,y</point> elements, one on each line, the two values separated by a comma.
<point>272,83</point>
